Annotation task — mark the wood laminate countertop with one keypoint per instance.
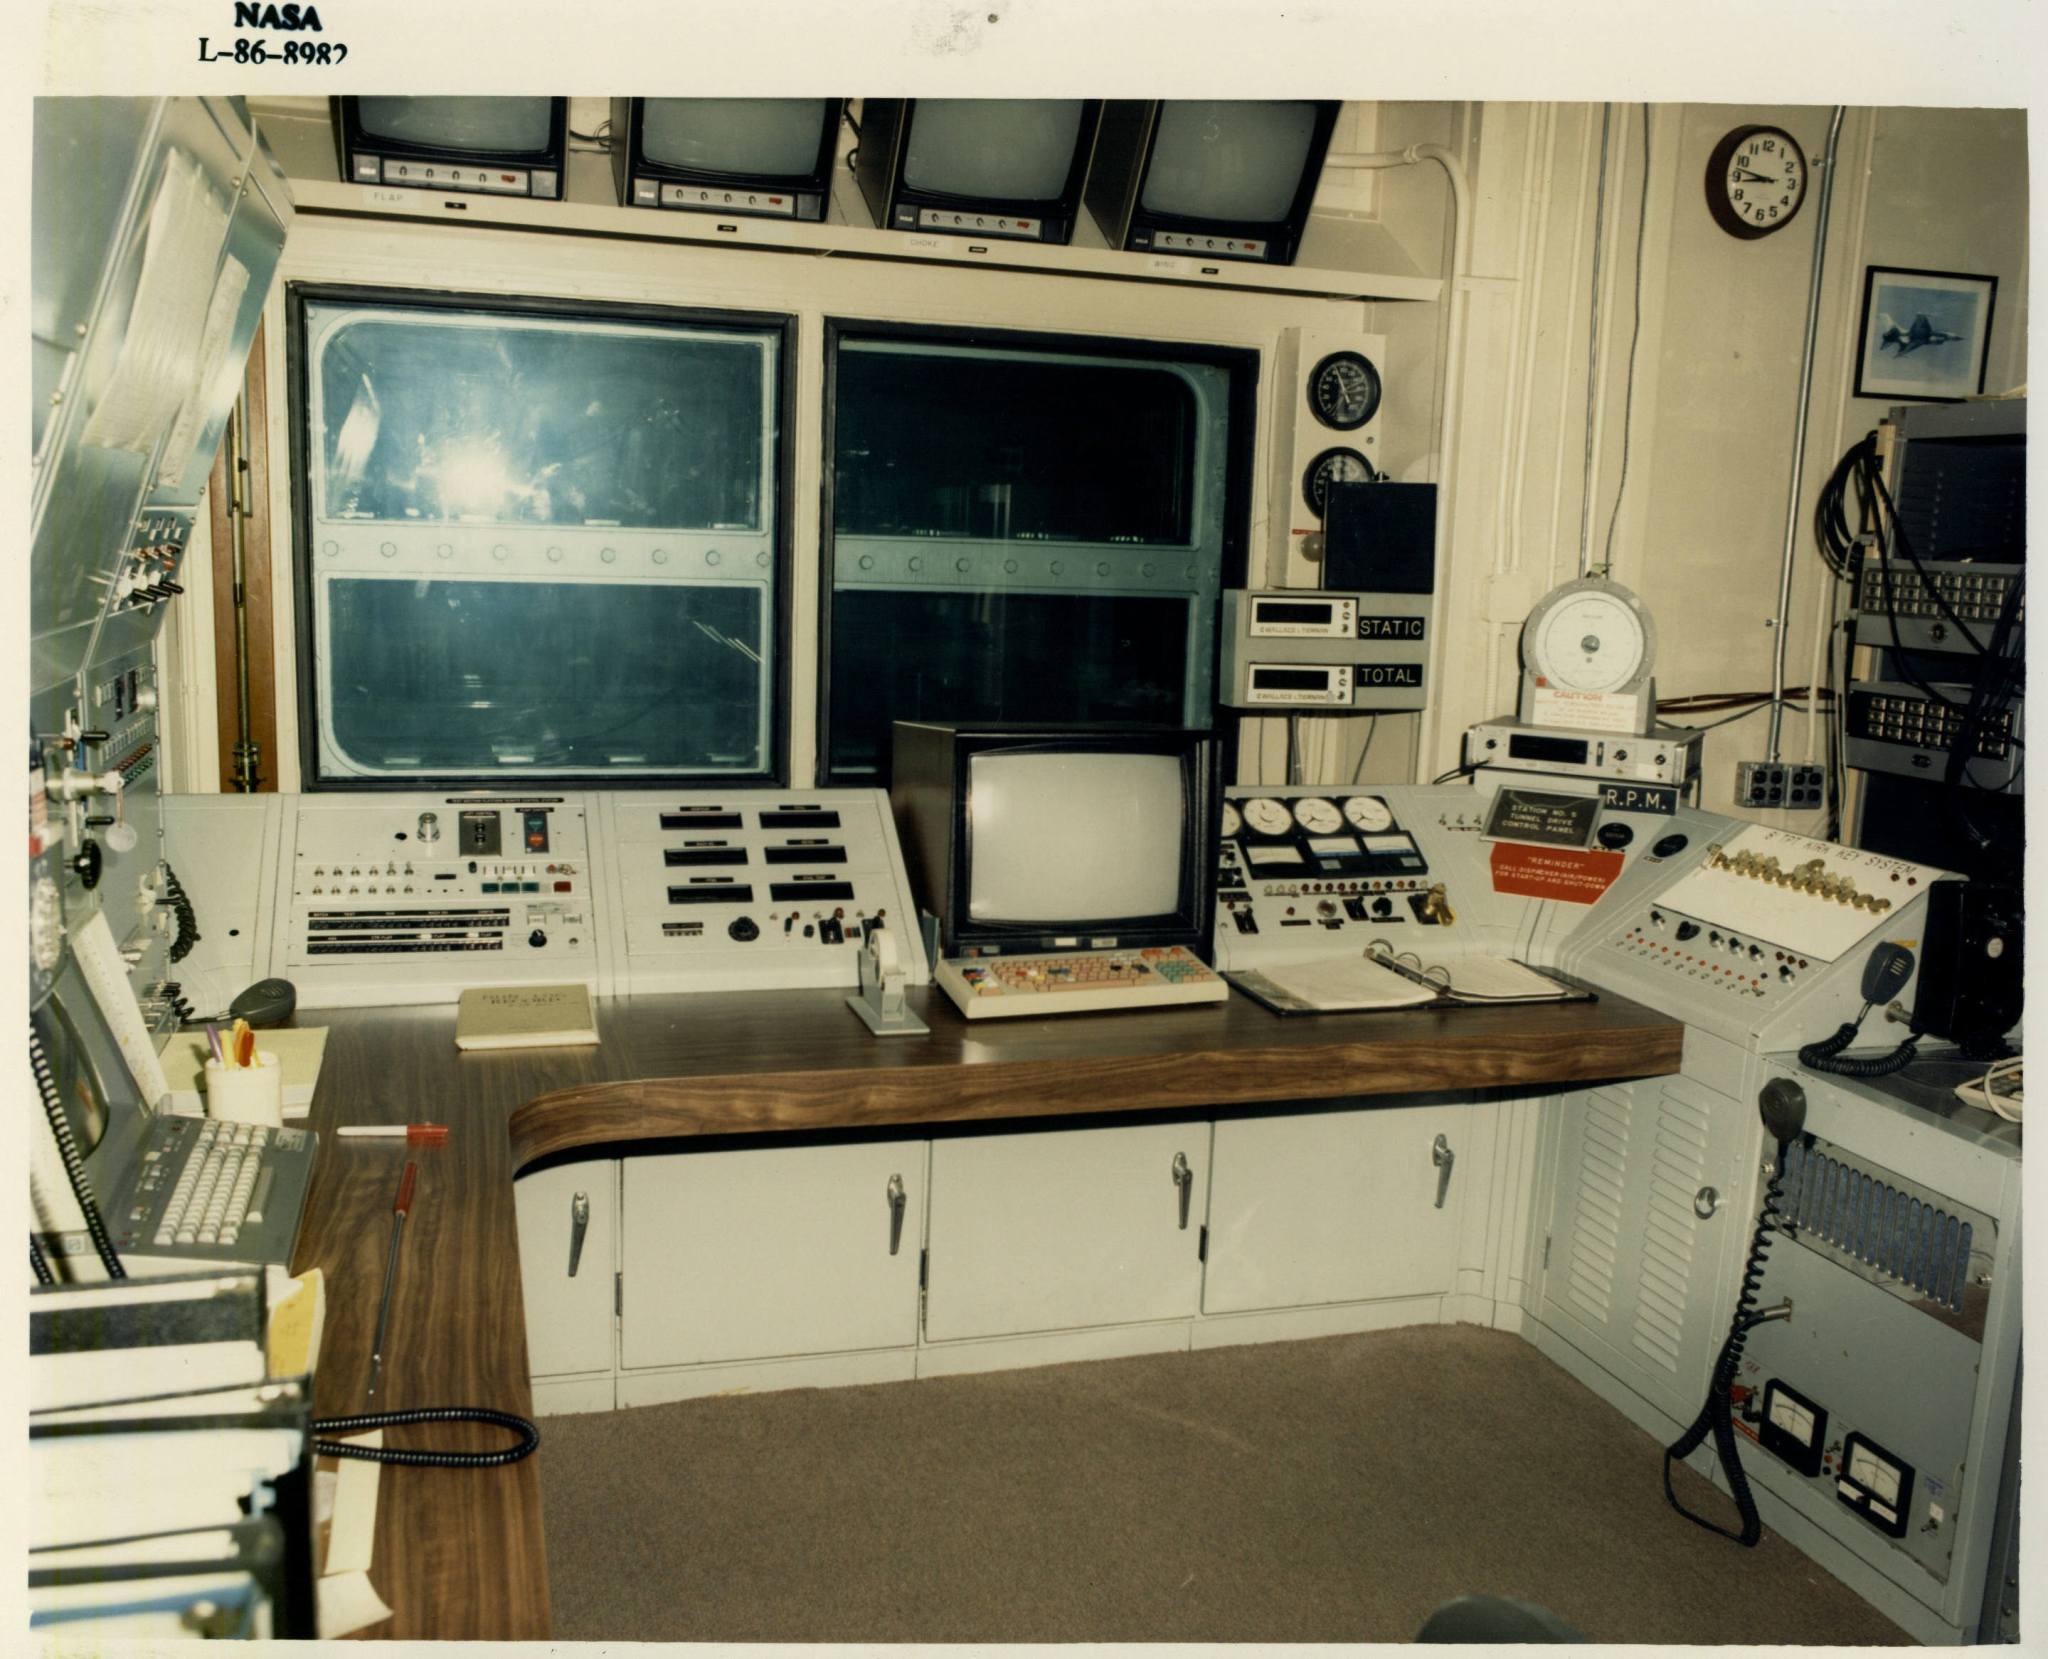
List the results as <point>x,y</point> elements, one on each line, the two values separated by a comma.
<point>459,1552</point>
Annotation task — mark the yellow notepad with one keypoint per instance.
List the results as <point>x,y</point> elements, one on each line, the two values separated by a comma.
<point>524,1016</point>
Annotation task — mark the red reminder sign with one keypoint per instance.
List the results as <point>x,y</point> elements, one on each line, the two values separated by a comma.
<point>1553,872</point>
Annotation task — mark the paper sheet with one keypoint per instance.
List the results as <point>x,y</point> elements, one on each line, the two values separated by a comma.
<point>353,1536</point>
<point>1339,982</point>
<point>99,960</point>
<point>348,1602</point>
<point>1497,976</point>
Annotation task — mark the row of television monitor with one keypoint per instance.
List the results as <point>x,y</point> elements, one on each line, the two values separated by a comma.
<point>1209,178</point>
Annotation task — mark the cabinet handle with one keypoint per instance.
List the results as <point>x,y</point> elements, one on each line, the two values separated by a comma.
<point>1705,1203</point>
<point>1443,1157</point>
<point>1184,1179</point>
<point>579,1224</point>
<point>896,1206</point>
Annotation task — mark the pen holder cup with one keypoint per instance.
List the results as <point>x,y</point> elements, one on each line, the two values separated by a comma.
<point>246,1094</point>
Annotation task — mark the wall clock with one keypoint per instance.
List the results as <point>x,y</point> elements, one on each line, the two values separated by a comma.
<point>1756,181</point>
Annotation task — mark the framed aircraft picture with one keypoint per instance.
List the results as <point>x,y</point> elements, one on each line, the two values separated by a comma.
<point>1925,334</point>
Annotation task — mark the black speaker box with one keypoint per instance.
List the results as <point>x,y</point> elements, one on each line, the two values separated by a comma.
<point>1379,538</point>
<point>1972,966</point>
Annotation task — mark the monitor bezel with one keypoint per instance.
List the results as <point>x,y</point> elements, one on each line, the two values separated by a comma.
<point>1187,925</point>
<point>353,136</point>
<point>1283,235</point>
<point>817,181</point>
<point>1061,209</point>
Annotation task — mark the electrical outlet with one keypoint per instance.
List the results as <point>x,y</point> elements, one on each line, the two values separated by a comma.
<point>1778,785</point>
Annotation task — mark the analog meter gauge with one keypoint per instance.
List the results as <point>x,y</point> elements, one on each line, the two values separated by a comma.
<point>1232,823</point>
<point>1318,816</point>
<point>1591,636</point>
<point>1368,813</point>
<point>1267,816</point>
<point>1344,390</point>
<point>1333,466</point>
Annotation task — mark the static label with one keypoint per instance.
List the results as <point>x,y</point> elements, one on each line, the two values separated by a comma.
<point>1573,875</point>
<point>1391,627</point>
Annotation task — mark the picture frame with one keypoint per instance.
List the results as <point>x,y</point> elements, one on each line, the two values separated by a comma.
<point>1925,336</point>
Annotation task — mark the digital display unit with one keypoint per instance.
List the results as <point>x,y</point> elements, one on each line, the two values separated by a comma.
<point>1029,838</point>
<point>761,157</point>
<point>1010,167</point>
<point>1216,178</point>
<point>500,146</point>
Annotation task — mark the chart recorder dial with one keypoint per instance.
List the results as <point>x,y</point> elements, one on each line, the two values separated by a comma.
<point>1318,816</point>
<point>1368,813</point>
<point>1266,816</point>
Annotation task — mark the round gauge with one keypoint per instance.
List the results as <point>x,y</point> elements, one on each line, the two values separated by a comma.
<point>1669,846</point>
<point>1318,816</point>
<point>1368,813</point>
<point>1333,466</point>
<point>1756,181</point>
<point>1267,816</point>
<point>1344,390</point>
<point>1614,835</point>
<point>1592,635</point>
<point>1232,822</point>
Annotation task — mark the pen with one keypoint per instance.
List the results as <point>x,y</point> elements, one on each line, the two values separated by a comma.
<point>399,1211</point>
<point>416,1134</point>
<point>213,1037</point>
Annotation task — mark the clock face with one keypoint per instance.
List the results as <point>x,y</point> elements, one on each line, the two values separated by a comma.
<point>1756,181</point>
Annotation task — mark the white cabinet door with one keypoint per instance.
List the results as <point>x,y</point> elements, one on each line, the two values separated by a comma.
<point>1047,1232</point>
<point>1634,1272</point>
<point>568,1313</point>
<point>1334,1207</point>
<point>756,1254</point>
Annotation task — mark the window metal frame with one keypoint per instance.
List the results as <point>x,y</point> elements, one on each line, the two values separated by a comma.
<point>774,772</point>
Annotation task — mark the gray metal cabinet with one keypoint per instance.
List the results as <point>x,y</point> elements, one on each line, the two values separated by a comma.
<point>761,1253</point>
<point>1064,1230</point>
<point>568,1240</point>
<point>1342,1206</point>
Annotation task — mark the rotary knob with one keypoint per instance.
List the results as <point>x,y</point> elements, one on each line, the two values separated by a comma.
<point>429,829</point>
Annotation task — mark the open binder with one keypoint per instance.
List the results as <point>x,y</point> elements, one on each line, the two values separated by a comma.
<point>1383,978</point>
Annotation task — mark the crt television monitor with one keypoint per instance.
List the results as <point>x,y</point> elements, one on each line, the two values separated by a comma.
<point>1230,179</point>
<point>1009,167</point>
<point>1036,838</point>
<point>500,146</point>
<point>760,157</point>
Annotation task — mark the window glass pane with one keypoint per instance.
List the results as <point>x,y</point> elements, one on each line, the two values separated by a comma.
<point>539,543</point>
<point>942,443</point>
<point>471,418</point>
<point>993,656</point>
<point>516,678</point>
<point>1025,534</point>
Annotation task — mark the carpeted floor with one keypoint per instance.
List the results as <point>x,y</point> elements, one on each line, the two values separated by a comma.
<point>1335,1490</point>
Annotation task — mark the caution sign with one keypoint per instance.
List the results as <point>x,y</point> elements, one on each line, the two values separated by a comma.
<point>1565,873</point>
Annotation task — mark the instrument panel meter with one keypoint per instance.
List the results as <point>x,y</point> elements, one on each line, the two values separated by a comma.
<point>1344,390</point>
<point>1267,816</point>
<point>1590,636</point>
<point>1368,813</point>
<point>1341,466</point>
<point>1318,816</point>
<point>1232,822</point>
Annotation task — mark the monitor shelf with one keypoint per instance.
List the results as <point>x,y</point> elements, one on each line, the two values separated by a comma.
<point>1343,257</point>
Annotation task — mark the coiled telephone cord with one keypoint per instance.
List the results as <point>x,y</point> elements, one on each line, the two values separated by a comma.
<point>529,1437</point>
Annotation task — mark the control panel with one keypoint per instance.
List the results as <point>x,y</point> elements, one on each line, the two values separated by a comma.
<point>746,891</point>
<point>363,899</point>
<point>424,891</point>
<point>1737,927</point>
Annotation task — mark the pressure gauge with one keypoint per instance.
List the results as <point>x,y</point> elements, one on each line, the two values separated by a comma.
<point>1232,823</point>
<point>1368,813</point>
<point>1318,816</point>
<point>1267,816</point>
<point>1344,390</point>
<point>1592,635</point>
<point>1333,466</point>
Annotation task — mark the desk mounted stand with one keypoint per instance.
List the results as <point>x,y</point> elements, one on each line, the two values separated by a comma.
<point>882,983</point>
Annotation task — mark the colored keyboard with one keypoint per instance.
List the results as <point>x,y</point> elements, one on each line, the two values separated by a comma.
<point>999,987</point>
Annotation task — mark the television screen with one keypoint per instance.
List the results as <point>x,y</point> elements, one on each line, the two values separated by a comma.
<point>992,149</point>
<point>481,126</point>
<point>1068,837</point>
<point>756,137</point>
<point>1235,162</point>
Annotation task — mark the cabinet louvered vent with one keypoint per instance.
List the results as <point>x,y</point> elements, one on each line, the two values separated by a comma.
<point>1874,1219</point>
<point>1678,1164</point>
<point>1596,1228</point>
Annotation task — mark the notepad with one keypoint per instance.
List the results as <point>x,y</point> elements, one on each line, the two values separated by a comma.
<point>524,1016</point>
<point>298,1049</point>
<point>1352,984</point>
